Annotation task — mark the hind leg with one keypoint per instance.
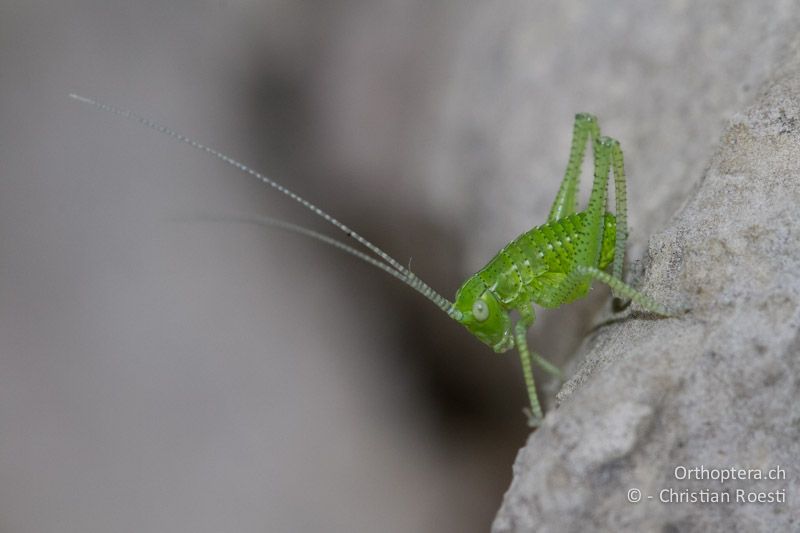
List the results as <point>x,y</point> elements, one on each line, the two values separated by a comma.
<point>621,212</point>
<point>585,128</point>
<point>620,287</point>
<point>608,158</point>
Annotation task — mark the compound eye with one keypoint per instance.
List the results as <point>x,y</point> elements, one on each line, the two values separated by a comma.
<point>480,310</point>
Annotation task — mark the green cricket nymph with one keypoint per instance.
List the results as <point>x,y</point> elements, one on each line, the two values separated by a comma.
<point>549,265</point>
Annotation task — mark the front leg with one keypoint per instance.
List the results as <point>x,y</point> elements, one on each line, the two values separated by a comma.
<point>535,414</point>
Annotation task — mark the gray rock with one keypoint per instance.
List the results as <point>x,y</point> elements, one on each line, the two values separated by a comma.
<point>716,387</point>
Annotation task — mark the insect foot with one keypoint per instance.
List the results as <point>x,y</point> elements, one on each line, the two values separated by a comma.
<point>533,421</point>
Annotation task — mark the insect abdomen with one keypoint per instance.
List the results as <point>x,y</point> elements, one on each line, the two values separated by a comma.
<point>541,255</point>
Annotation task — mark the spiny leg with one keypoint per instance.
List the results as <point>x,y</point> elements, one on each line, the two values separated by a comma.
<point>610,148</point>
<point>620,210</point>
<point>608,156</point>
<point>564,204</point>
<point>527,318</point>
<point>620,287</point>
<point>575,283</point>
<point>535,415</point>
<point>589,248</point>
<point>526,356</point>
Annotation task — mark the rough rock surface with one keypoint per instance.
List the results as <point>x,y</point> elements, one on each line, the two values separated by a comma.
<point>717,386</point>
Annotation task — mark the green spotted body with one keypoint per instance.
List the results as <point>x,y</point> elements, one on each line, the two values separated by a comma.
<point>525,270</point>
<point>550,265</point>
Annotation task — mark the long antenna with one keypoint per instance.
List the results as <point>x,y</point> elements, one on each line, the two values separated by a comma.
<point>270,222</point>
<point>406,275</point>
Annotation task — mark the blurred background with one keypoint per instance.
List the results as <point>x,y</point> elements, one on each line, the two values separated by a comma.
<point>163,371</point>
